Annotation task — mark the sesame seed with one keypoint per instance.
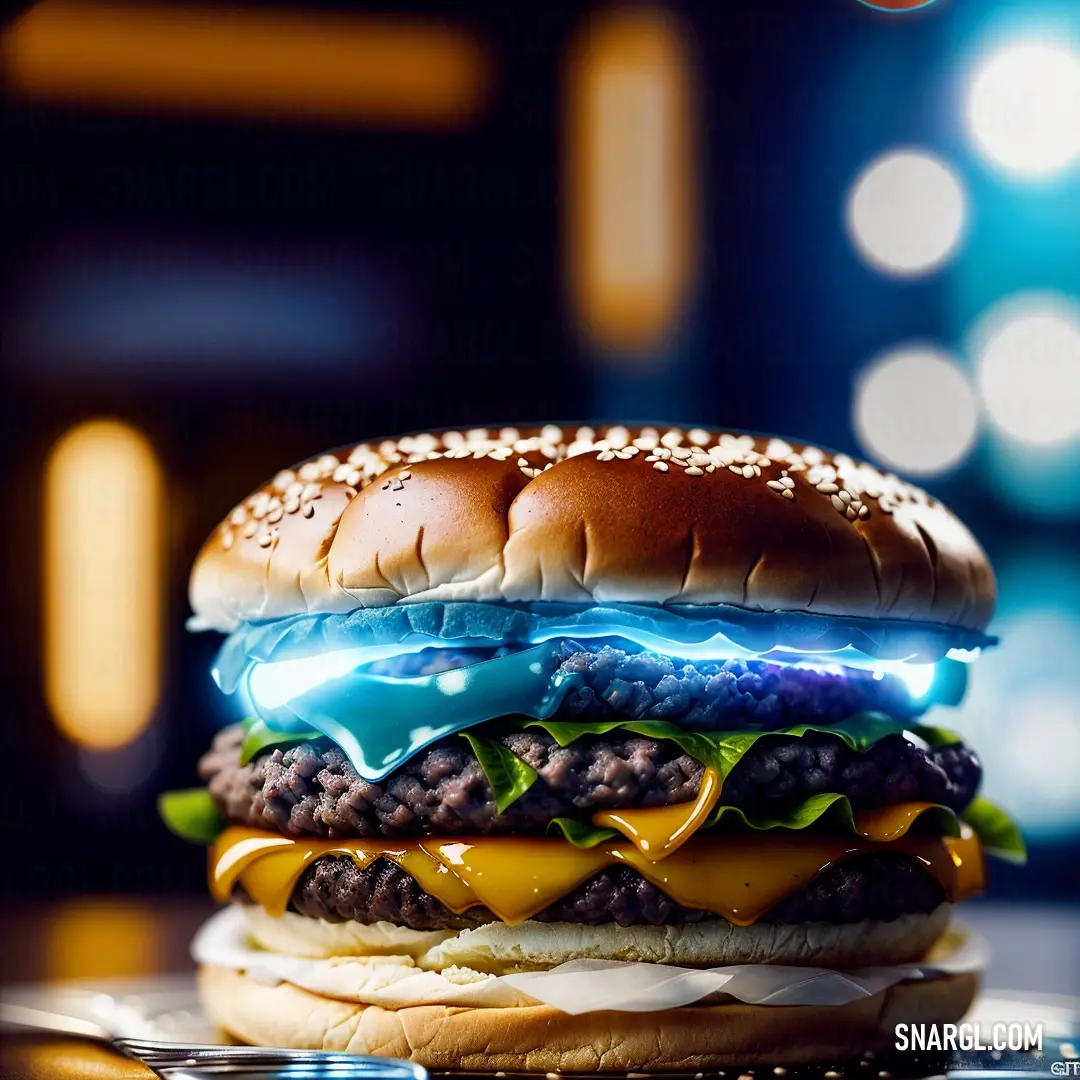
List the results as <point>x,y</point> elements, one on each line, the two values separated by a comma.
<point>780,1071</point>
<point>787,481</point>
<point>630,451</point>
<point>644,443</point>
<point>606,455</point>
<point>775,485</point>
<point>832,1074</point>
<point>292,505</point>
<point>851,513</point>
<point>585,434</point>
<point>265,540</point>
<point>522,461</point>
<point>227,539</point>
<point>618,437</point>
<point>671,438</point>
<point>681,452</point>
<point>710,468</point>
<point>238,516</point>
<point>737,469</point>
<point>699,436</point>
<point>788,494</point>
<point>405,476</point>
<point>864,511</point>
<point>827,489</point>
<point>694,470</point>
<point>308,511</point>
<point>846,496</point>
<point>250,529</point>
<point>551,433</point>
<point>275,516</point>
<point>750,471</point>
<point>660,466</point>
<point>838,503</point>
<point>764,462</point>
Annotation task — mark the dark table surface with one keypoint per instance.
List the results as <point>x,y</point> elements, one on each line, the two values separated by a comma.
<point>1036,951</point>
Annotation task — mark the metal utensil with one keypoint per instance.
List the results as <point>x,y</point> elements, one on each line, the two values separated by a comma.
<point>181,1061</point>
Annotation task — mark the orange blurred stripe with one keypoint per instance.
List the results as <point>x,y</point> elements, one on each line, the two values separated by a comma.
<point>102,565</point>
<point>216,59</point>
<point>631,173</point>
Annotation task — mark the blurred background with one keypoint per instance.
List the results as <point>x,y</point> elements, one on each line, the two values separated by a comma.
<point>238,235</point>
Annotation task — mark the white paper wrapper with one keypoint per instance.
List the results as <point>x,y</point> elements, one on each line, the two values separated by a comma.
<point>578,986</point>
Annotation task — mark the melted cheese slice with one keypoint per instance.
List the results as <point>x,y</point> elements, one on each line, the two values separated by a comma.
<point>737,877</point>
<point>659,831</point>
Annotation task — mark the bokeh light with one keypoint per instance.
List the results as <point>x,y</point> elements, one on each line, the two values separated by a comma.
<point>102,526</point>
<point>1027,351</point>
<point>914,410</point>
<point>1022,711</point>
<point>907,213</point>
<point>1023,107</point>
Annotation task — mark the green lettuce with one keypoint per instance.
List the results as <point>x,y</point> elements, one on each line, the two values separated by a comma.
<point>722,750</point>
<point>191,814</point>
<point>508,775</point>
<point>997,832</point>
<point>581,834</point>
<point>825,808</point>
<point>258,737</point>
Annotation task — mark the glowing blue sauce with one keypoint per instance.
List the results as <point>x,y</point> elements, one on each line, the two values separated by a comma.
<point>374,718</point>
<point>307,674</point>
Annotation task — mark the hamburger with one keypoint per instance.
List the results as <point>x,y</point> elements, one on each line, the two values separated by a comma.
<point>573,710</point>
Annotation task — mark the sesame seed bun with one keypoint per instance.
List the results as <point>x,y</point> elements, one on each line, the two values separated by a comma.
<point>540,1038</point>
<point>583,515</point>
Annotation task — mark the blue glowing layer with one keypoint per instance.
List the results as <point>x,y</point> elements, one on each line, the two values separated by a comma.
<point>307,679</point>
<point>702,632</point>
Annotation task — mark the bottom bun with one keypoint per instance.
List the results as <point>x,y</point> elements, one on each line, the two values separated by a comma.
<point>542,1039</point>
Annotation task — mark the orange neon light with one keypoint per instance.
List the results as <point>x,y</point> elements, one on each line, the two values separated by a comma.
<point>309,65</point>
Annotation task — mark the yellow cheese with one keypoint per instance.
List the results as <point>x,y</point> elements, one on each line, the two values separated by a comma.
<point>737,877</point>
<point>660,830</point>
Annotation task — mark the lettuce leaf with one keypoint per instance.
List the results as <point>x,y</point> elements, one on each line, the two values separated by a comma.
<point>722,750</point>
<point>191,814</point>
<point>997,832</point>
<point>508,775</point>
<point>581,834</point>
<point>936,737</point>
<point>258,737</point>
<point>826,808</point>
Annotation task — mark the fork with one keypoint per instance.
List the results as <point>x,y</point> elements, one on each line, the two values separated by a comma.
<point>181,1061</point>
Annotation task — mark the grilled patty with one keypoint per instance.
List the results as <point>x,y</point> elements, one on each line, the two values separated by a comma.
<point>876,886</point>
<point>313,790</point>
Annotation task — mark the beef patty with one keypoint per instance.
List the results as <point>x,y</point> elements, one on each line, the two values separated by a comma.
<point>313,790</point>
<point>879,886</point>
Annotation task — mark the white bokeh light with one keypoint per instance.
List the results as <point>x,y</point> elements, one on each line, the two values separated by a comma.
<point>906,213</point>
<point>1023,107</point>
<point>1022,716</point>
<point>1027,351</point>
<point>914,410</point>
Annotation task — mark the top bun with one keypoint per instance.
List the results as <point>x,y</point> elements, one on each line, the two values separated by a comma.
<point>613,513</point>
